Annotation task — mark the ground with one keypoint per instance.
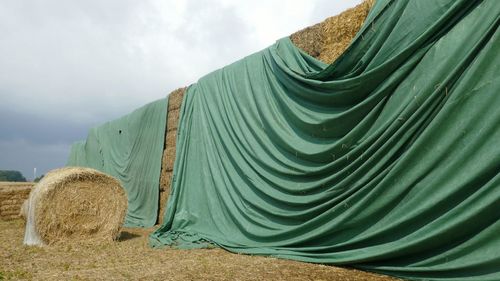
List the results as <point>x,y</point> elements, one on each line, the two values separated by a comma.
<point>131,258</point>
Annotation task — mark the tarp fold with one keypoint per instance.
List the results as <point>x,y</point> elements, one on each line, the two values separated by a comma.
<point>130,149</point>
<point>385,160</point>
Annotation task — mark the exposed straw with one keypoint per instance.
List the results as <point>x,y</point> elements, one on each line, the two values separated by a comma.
<point>174,104</point>
<point>327,40</point>
<point>78,204</point>
<point>12,196</point>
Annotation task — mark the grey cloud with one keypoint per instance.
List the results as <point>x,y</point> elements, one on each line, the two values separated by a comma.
<point>41,130</point>
<point>23,156</point>
<point>218,28</point>
<point>84,57</point>
<point>66,66</point>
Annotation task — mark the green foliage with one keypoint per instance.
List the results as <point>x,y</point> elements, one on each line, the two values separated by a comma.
<point>6,175</point>
<point>37,179</point>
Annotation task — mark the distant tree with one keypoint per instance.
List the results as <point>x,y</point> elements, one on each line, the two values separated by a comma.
<point>38,178</point>
<point>6,175</point>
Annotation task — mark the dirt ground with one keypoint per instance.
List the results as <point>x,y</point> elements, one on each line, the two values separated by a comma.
<point>131,259</point>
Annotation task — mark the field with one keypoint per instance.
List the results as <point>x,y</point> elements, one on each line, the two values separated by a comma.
<point>131,259</point>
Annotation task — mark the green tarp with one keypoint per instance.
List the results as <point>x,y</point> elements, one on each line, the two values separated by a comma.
<point>129,149</point>
<point>387,160</point>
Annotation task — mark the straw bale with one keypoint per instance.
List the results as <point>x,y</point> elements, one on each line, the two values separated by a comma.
<point>166,175</point>
<point>12,195</point>
<point>173,119</point>
<point>11,213</point>
<point>12,207</point>
<point>15,193</point>
<point>164,194</point>
<point>174,104</point>
<point>10,217</point>
<point>78,204</point>
<point>171,138</point>
<point>327,40</point>
<point>11,188</point>
<point>171,159</point>
<point>17,198</point>
<point>14,201</point>
<point>15,184</point>
<point>175,99</point>
<point>309,39</point>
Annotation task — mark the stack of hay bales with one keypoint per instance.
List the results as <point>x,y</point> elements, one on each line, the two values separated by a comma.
<point>75,204</point>
<point>325,41</point>
<point>12,196</point>
<point>167,166</point>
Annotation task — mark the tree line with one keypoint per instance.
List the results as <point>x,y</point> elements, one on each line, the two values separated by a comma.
<point>15,176</point>
<point>7,175</point>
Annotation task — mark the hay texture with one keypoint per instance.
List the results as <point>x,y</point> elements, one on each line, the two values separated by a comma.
<point>167,165</point>
<point>329,39</point>
<point>12,196</point>
<point>77,204</point>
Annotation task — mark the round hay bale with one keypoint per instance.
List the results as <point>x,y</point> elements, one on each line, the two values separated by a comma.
<point>78,204</point>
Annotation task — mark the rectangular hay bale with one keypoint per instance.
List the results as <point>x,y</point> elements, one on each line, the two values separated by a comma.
<point>171,138</point>
<point>173,119</point>
<point>175,98</point>
<point>7,208</point>
<point>170,159</point>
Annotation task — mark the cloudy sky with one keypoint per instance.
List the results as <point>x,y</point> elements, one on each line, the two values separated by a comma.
<point>66,66</point>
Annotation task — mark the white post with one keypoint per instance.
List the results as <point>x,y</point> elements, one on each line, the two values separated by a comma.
<point>34,174</point>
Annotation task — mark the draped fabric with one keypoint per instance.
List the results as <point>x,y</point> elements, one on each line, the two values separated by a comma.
<point>130,149</point>
<point>387,160</point>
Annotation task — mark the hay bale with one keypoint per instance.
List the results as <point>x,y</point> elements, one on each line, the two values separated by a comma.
<point>329,39</point>
<point>77,204</point>
<point>7,208</point>
<point>164,195</point>
<point>173,119</point>
<point>171,139</point>
<point>174,104</point>
<point>12,195</point>
<point>339,31</point>
<point>175,99</point>
<point>309,39</point>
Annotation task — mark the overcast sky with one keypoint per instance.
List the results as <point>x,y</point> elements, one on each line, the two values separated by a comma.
<point>66,66</point>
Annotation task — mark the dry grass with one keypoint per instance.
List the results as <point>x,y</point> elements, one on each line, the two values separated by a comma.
<point>132,259</point>
<point>78,203</point>
<point>327,40</point>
